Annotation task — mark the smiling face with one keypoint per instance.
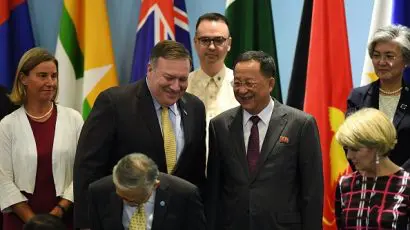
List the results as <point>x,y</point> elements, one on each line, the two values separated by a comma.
<point>168,79</point>
<point>212,53</point>
<point>252,89</point>
<point>388,61</point>
<point>41,82</point>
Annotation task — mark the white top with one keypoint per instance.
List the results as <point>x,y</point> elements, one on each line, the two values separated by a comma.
<point>263,124</point>
<point>216,92</point>
<point>18,155</point>
<point>388,104</point>
<point>128,211</point>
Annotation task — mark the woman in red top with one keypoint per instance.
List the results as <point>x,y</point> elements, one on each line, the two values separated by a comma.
<point>37,145</point>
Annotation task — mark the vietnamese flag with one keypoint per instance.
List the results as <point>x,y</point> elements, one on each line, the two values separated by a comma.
<point>328,83</point>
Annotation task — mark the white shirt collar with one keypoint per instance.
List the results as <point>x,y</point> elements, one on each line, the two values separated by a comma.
<point>264,115</point>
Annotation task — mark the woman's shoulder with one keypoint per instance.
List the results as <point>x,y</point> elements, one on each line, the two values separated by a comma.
<point>347,179</point>
<point>71,113</point>
<point>11,118</point>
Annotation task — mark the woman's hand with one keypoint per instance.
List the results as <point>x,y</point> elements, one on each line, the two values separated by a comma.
<point>57,212</point>
<point>23,211</point>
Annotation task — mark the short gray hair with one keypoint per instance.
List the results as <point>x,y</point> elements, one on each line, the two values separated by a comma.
<point>395,33</point>
<point>135,170</point>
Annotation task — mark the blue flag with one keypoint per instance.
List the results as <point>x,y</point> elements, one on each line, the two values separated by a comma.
<point>401,15</point>
<point>16,37</point>
<point>159,20</point>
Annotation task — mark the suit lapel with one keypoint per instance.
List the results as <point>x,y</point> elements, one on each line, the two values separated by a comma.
<point>187,125</point>
<point>401,106</point>
<point>276,125</point>
<point>161,205</point>
<point>115,211</point>
<point>146,110</point>
<point>236,133</point>
<point>372,97</point>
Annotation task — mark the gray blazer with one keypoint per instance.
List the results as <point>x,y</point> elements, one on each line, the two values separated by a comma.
<point>285,192</point>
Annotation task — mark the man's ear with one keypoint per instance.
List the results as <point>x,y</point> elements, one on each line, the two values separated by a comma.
<point>229,42</point>
<point>149,68</point>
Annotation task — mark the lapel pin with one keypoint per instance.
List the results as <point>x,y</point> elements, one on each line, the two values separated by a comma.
<point>403,106</point>
<point>283,139</point>
<point>406,88</point>
<point>162,203</point>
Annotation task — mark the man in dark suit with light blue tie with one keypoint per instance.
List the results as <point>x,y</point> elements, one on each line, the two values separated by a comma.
<point>137,196</point>
<point>264,166</point>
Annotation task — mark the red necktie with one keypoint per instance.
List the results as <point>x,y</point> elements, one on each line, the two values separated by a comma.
<point>253,144</point>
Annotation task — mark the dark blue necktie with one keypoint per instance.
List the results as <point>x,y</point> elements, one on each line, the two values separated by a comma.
<point>253,144</point>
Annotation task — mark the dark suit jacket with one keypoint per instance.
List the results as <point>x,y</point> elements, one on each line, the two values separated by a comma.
<point>285,192</point>
<point>368,96</point>
<point>183,209</point>
<point>122,121</point>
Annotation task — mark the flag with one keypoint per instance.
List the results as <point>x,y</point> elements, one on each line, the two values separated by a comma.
<point>401,15</point>
<point>328,83</point>
<point>251,27</point>
<point>16,37</point>
<point>381,16</point>
<point>158,20</point>
<point>85,54</point>
<point>296,92</point>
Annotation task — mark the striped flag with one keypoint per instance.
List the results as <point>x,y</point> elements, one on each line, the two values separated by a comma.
<point>85,54</point>
<point>381,16</point>
<point>328,83</point>
<point>252,28</point>
<point>158,20</point>
<point>16,37</point>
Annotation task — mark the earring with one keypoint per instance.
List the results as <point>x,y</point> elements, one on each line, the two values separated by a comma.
<point>377,159</point>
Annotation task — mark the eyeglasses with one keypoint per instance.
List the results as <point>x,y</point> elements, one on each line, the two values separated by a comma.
<point>246,84</point>
<point>388,57</point>
<point>217,41</point>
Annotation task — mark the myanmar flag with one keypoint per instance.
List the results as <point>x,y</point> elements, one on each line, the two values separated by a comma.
<point>328,83</point>
<point>85,54</point>
<point>251,27</point>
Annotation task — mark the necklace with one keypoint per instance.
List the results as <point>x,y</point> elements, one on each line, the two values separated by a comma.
<point>390,92</point>
<point>43,116</point>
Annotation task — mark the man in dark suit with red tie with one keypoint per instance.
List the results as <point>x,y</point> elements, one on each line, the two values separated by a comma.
<point>154,116</point>
<point>264,165</point>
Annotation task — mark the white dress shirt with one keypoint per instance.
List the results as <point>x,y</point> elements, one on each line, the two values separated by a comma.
<point>263,124</point>
<point>149,206</point>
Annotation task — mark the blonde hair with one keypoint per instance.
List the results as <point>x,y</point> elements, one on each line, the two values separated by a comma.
<point>368,128</point>
<point>28,62</point>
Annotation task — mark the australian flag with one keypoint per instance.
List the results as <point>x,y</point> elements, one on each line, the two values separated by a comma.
<point>16,37</point>
<point>159,20</point>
